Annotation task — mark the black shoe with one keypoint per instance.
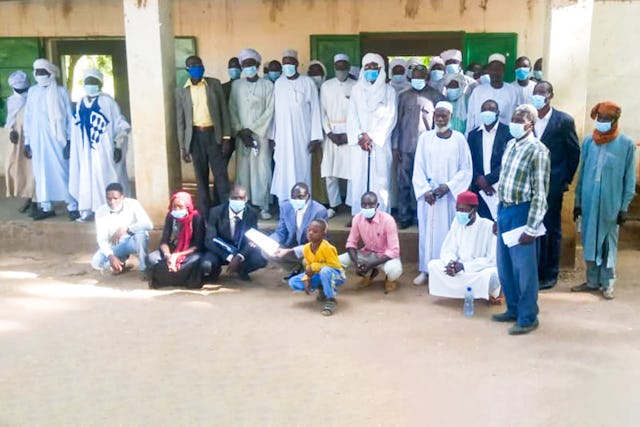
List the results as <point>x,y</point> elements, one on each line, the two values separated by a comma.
<point>40,215</point>
<point>521,330</point>
<point>504,317</point>
<point>73,215</point>
<point>34,209</point>
<point>244,276</point>
<point>547,284</point>
<point>25,206</point>
<point>205,267</point>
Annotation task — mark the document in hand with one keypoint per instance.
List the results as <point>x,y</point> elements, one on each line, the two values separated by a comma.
<point>510,238</point>
<point>264,242</point>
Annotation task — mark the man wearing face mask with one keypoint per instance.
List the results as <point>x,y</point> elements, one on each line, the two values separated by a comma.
<point>523,83</point>
<point>47,134</point>
<point>605,189</point>
<point>457,93</point>
<point>441,171</point>
<point>436,74</point>
<point>557,131</point>
<point>225,240</point>
<point>251,111</point>
<point>453,65</point>
<point>399,80</point>
<point>274,71</point>
<point>537,70</point>
<point>468,255</point>
<point>234,69</point>
<point>505,95</point>
<point>524,181</point>
<point>296,129</point>
<point>98,147</point>
<point>380,245</point>
<point>204,132</point>
<point>337,154</point>
<point>487,143</point>
<point>415,116</point>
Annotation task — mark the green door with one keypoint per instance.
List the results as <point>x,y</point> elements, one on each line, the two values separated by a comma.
<point>15,54</point>
<point>325,47</point>
<point>478,47</point>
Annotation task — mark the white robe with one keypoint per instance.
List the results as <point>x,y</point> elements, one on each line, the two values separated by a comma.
<point>378,122</point>
<point>442,161</point>
<point>47,140</point>
<point>524,92</point>
<point>334,101</point>
<point>296,122</point>
<point>251,107</point>
<point>475,247</point>
<point>507,98</point>
<point>91,165</point>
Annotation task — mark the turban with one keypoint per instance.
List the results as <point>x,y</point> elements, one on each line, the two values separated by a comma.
<point>18,80</point>
<point>373,57</point>
<point>249,54</point>
<point>341,57</point>
<point>93,72</point>
<point>46,65</point>
<point>611,109</point>
<point>446,105</point>
<point>398,61</point>
<point>497,57</point>
<point>468,198</point>
<point>451,54</point>
<point>435,60</point>
<point>290,53</point>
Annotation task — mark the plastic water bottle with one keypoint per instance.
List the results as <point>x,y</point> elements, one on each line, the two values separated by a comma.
<point>468,302</point>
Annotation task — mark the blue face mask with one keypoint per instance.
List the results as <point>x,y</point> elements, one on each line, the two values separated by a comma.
<point>398,78</point>
<point>538,101</point>
<point>196,72</point>
<point>274,75</point>
<point>368,213</point>
<point>289,70</point>
<point>488,117</point>
<point>91,90</point>
<point>371,75</point>
<point>298,204</point>
<point>522,73</point>
<point>454,93</point>
<point>179,213</point>
<point>236,205</point>
<point>436,75</point>
<point>463,218</point>
<point>453,68</point>
<point>485,79</point>
<point>517,130</point>
<point>234,73</point>
<point>418,84</point>
<point>537,74</point>
<point>250,71</point>
<point>603,127</point>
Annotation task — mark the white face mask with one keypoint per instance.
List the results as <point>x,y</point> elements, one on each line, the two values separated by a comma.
<point>43,80</point>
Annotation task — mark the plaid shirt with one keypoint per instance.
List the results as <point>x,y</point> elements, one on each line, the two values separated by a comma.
<point>525,178</point>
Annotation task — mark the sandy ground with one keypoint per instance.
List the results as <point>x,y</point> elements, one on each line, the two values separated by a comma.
<point>81,349</point>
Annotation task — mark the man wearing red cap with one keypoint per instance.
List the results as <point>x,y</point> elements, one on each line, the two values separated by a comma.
<point>468,255</point>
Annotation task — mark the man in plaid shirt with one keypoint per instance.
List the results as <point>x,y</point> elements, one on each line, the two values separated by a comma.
<point>524,182</point>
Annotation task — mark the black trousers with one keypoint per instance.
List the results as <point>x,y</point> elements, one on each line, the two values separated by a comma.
<point>252,262</point>
<point>549,244</point>
<point>406,196</point>
<point>205,154</point>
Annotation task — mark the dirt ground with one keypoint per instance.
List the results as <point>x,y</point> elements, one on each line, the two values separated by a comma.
<point>81,349</point>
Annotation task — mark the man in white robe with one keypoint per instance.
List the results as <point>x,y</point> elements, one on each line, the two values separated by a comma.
<point>370,121</point>
<point>297,128</point>
<point>523,83</point>
<point>47,133</point>
<point>468,255</point>
<point>251,110</point>
<point>441,171</point>
<point>98,147</point>
<point>337,154</point>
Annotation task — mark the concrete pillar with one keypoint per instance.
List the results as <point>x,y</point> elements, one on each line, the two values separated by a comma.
<point>566,61</point>
<point>152,81</point>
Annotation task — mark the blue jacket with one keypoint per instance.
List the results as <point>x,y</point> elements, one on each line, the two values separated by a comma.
<point>286,233</point>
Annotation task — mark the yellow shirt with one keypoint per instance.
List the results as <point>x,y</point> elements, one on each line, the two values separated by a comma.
<point>201,115</point>
<point>325,256</point>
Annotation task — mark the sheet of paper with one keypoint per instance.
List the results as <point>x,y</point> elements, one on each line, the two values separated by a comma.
<point>262,241</point>
<point>510,238</point>
<point>339,127</point>
<point>492,202</point>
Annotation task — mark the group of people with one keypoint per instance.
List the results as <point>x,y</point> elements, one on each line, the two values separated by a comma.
<point>461,153</point>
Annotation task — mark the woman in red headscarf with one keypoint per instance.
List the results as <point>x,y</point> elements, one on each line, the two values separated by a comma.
<point>181,245</point>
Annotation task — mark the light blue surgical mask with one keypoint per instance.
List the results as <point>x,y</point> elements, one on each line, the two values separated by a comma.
<point>603,127</point>
<point>43,80</point>
<point>298,204</point>
<point>289,70</point>
<point>371,75</point>
<point>537,74</point>
<point>517,130</point>
<point>398,78</point>
<point>463,218</point>
<point>436,75</point>
<point>250,71</point>
<point>485,79</point>
<point>453,68</point>
<point>522,73</point>
<point>237,205</point>
<point>454,93</point>
<point>418,84</point>
<point>368,213</point>
<point>538,101</point>
<point>234,73</point>
<point>318,80</point>
<point>273,75</point>
<point>488,117</point>
<point>179,213</point>
<point>91,90</point>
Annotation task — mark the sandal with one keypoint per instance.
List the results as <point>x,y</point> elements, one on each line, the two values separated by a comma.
<point>496,300</point>
<point>329,307</point>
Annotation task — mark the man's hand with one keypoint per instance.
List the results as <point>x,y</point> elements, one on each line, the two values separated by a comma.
<point>117,155</point>
<point>364,268</point>
<point>342,139</point>
<point>397,156</point>
<point>225,148</point>
<point>272,144</point>
<point>622,218</point>
<point>309,271</point>
<point>14,137</point>
<point>115,238</point>
<point>441,190</point>
<point>307,285</point>
<point>66,151</point>
<point>526,239</point>
<point>333,137</point>
<point>481,182</point>
<point>577,213</point>
<point>27,151</point>
<point>116,264</point>
<point>495,228</point>
<point>172,262</point>
<point>234,265</point>
<point>280,252</point>
<point>365,143</point>
<point>246,136</point>
<point>185,156</point>
<point>314,145</point>
<point>429,197</point>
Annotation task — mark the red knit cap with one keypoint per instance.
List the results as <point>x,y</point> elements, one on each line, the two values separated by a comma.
<point>468,198</point>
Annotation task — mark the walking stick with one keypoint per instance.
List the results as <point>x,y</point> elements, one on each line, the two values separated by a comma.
<point>369,168</point>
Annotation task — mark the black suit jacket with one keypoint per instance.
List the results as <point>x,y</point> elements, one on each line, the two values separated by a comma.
<point>477,158</point>
<point>218,225</point>
<point>564,150</point>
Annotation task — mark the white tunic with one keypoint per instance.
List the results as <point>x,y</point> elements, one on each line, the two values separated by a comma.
<point>507,98</point>
<point>475,247</point>
<point>98,128</point>
<point>296,122</point>
<point>524,92</point>
<point>438,161</point>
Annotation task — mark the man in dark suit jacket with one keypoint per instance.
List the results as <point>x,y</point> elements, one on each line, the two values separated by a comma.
<point>496,135</point>
<point>557,131</point>
<point>204,132</point>
<point>225,240</point>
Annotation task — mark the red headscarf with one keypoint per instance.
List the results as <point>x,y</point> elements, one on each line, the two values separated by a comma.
<point>186,231</point>
<point>611,109</point>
